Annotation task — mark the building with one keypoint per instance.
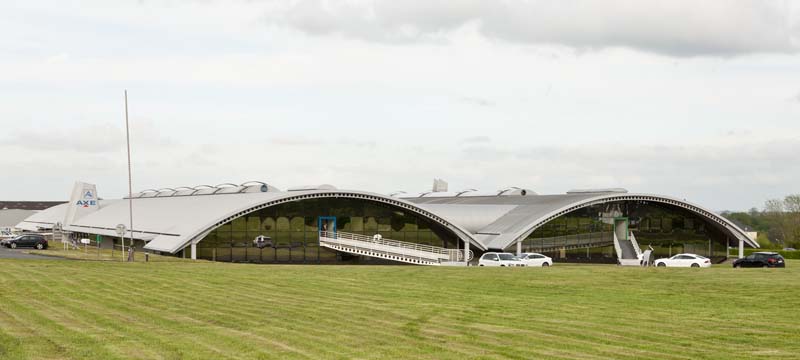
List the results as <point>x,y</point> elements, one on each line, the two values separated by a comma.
<point>11,217</point>
<point>28,205</point>
<point>749,230</point>
<point>256,222</point>
<point>13,212</point>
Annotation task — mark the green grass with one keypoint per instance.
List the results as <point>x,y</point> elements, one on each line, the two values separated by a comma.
<point>204,310</point>
<point>101,255</point>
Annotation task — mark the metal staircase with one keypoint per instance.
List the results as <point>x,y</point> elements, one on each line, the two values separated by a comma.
<point>628,251</point>
<point>389,249</point>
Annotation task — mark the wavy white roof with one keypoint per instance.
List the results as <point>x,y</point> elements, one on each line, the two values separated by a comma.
<point>170,223</point>
<point>521,215</point>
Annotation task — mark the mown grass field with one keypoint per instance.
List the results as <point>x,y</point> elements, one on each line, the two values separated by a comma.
<point>185,310</point>
<point>93,254</point>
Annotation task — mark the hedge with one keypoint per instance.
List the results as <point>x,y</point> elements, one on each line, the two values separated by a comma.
<point>786,254</point>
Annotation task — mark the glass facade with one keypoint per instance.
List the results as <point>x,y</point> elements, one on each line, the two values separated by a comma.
<point>292,228</point>
<point>581,236</point>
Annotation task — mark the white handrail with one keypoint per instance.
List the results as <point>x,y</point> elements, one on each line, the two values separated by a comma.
<point>395,246</point>
<point>570,240</point>
<point>635,245</point>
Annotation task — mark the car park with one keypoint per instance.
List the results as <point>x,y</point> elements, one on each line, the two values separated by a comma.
<point>760,259</point>
<point>26,240</point>
<point>684,260</point>
<point>499,259</point>
<point>536,259</point>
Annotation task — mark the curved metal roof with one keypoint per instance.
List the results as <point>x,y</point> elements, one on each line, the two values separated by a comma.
<point>170,223</point>
<point>11,217</point>
<point>521,215</point>
<point>44,219</point>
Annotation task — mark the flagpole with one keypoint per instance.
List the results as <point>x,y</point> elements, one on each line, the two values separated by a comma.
<point>130,182</point>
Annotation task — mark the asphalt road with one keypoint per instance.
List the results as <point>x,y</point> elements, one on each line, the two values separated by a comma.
<point>6,253</point>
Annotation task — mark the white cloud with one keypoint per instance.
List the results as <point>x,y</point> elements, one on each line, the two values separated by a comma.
<point>483,94</point>
<point>82,140</point>
<point>101,138</point>
<point>477,139</point>
<point>677,28</point>
<point>477,101</point>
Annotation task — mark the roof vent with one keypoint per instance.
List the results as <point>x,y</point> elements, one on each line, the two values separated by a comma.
<point>257,186</point>
<point>515,191</point>
<point>163,192</point>
<point>597,191</point>
<point>225,188</point>
<point>462,192</point>
<point>439,185</point>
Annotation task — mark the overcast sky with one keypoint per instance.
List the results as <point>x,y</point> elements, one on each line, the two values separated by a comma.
<point>694,99</point>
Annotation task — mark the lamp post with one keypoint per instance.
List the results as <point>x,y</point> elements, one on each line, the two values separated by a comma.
<point>130,183</point>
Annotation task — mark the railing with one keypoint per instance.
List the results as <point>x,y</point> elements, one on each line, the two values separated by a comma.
<point>635,245</point>
<point>569,241</point>
<point>394,246</point>
<point>617,246</point>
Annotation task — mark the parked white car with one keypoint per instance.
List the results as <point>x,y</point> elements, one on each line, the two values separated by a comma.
<point>684,260</point>
<point>499,259</point>
<point>536,259</point>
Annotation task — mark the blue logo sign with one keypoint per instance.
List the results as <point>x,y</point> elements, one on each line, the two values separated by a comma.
<point>88,195</point>
<point>86,203</point>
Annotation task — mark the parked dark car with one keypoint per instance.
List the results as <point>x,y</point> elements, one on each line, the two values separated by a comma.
<point>27,240</point>
<point>761,259</point>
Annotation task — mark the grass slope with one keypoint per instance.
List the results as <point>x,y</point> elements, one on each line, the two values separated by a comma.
<point>183,310</point>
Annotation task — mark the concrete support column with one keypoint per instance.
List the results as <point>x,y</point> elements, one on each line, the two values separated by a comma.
<point>466,252</point>
<point>519,248</point>
<point>194,250</point>
<point>741,248</point>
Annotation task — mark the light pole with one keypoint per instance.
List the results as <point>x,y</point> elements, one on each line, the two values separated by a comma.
<point>130,183</point>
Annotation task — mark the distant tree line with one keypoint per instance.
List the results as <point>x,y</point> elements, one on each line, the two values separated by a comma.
<point>778,224</point>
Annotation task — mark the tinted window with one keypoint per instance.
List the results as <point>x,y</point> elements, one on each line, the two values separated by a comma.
<point>507,257</point>
<point>491,257</point>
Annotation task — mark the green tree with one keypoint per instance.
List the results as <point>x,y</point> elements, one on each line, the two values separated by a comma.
<point>791,205</point>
